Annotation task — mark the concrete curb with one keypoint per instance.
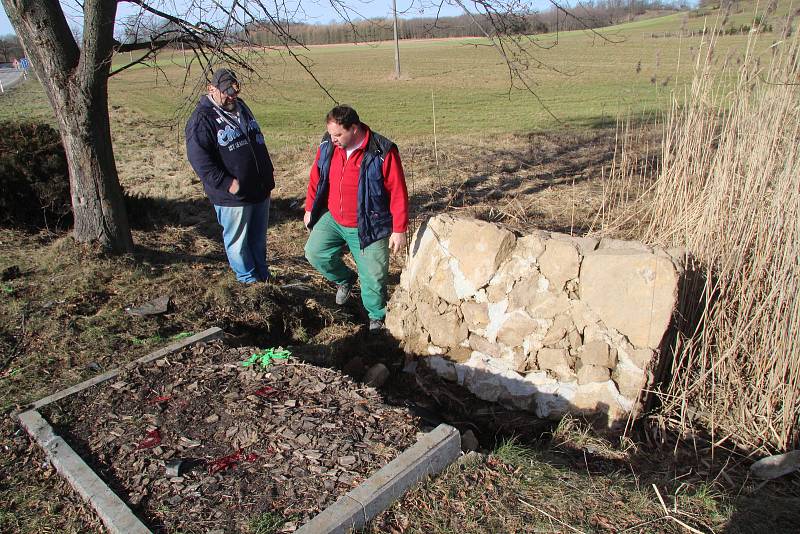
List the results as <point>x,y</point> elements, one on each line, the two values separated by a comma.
<point>429,455</point>
<point>115,514</point>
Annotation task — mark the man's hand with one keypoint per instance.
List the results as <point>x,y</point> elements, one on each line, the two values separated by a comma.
<point>307,219</point>
<point>234,188</point>
<point>397,242</point>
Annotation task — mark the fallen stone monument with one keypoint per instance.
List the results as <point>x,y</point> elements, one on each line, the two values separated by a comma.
<point>544,322</point>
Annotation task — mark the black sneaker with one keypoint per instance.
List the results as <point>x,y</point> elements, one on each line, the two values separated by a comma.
<point>343,292</point>
<point>376,325</point>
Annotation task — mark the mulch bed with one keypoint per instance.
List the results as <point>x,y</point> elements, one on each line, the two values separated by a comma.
<point>286,440</point>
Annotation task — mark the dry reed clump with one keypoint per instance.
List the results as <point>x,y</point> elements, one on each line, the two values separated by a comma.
<point>728,190</point>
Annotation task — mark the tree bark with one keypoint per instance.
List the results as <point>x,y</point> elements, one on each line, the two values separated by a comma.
<point>76,82</point>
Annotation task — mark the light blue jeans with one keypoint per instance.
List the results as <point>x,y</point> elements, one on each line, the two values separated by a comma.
<point>244,232</point>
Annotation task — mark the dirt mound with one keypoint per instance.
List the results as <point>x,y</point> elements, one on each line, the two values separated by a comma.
<point>33,171</point>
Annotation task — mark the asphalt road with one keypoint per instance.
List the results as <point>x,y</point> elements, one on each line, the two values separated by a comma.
<point>10,77</point>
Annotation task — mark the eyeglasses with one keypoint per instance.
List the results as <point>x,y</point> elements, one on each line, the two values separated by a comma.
<point>233,90</point>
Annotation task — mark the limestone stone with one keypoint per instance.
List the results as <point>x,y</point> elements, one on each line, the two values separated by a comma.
<point>483,346</point>
<point>394,320</point>
<point>442,282</point>
<point>459,354</point>
<point>641,357</point>
<point>515,358</point>
<point>601,397</point>
<point>592,373</point>
<point>582,315</point>
<point>446,330</point>
<point>509,272</point>
<point>528,289</point>
<point>630,381</point>
<point>479,247</point>
<point>555,360</point>
<point>531,246</point>
<point>632,291</point>
<point>476,315</point>
<point>608,243</point>
<point>575,340</point>
<point>598,353</point>
<point>426,250</point>
<point>584,244</point>
<point>516,327</point>
<point>561,325</point>
<point>526,322</point>
<point>443,367</point>
<point>548,305</point>
<point>491,380</point>
<point>559,262</point>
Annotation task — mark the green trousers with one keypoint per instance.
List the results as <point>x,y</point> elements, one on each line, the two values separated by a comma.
<point>325,248</point>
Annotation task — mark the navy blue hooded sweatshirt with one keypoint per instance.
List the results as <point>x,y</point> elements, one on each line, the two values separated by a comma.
<point>221,149</point>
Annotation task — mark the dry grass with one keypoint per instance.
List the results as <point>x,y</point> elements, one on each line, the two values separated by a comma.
<point>728,190</point>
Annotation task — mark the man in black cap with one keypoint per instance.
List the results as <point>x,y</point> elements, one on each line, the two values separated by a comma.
<point>226,149</point>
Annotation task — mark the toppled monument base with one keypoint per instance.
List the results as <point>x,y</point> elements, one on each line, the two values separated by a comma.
<point>544,322</point>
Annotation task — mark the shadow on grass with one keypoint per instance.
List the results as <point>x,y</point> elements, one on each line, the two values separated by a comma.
<point>501,181</point>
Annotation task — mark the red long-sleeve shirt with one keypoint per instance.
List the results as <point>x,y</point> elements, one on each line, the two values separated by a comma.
<point>343,192</point>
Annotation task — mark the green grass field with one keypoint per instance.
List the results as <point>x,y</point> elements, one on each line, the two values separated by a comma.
<point>585,80</point>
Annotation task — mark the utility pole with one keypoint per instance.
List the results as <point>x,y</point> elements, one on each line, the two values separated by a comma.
<point>396,43</point>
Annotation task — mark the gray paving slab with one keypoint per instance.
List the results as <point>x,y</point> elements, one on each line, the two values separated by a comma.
<point>429,455</point>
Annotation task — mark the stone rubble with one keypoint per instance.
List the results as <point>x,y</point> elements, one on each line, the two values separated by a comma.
<point>543,322</point>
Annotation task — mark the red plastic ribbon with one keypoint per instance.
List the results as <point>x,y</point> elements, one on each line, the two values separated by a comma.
<point>153,438</point>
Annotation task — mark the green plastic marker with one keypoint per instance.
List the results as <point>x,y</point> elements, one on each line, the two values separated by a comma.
<point>267,357</point>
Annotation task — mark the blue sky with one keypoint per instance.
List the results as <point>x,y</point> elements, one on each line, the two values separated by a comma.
<point>318,11</point>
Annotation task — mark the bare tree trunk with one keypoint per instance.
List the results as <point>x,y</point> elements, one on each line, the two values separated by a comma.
<point>76,82</point>
<point>97,200</point>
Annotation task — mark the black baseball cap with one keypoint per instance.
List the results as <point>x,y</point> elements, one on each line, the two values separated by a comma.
<point>224,80</point>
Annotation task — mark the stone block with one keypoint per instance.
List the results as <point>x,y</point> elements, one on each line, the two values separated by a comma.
<point>641,358</point>
<point>476,315</point>
<point>484,346</point>
<point>516,327</point>
<point>442,282</point>
<point>592,373</point>
<point>446,330</point>
<point>632,291</point>
<point>558,330</point>
<point>548,305</point>
<point>629,381</point>
<point>443,367</point>
<point>575,340</point>
<point>608,243</point>
<point>585,244</point>
<point>529,289</point>
<point>598,353</point>
<point>479,248</point>
<point>555,360</point>
<point>559,262</point>
<point>530,247</point>
<point>508,274</point>
<point>603,398</point>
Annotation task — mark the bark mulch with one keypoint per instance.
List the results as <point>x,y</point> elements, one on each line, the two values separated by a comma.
<point>283,441</point>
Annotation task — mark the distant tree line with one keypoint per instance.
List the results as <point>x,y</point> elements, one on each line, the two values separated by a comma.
<point>10,48</point>
<point>588,14</point>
